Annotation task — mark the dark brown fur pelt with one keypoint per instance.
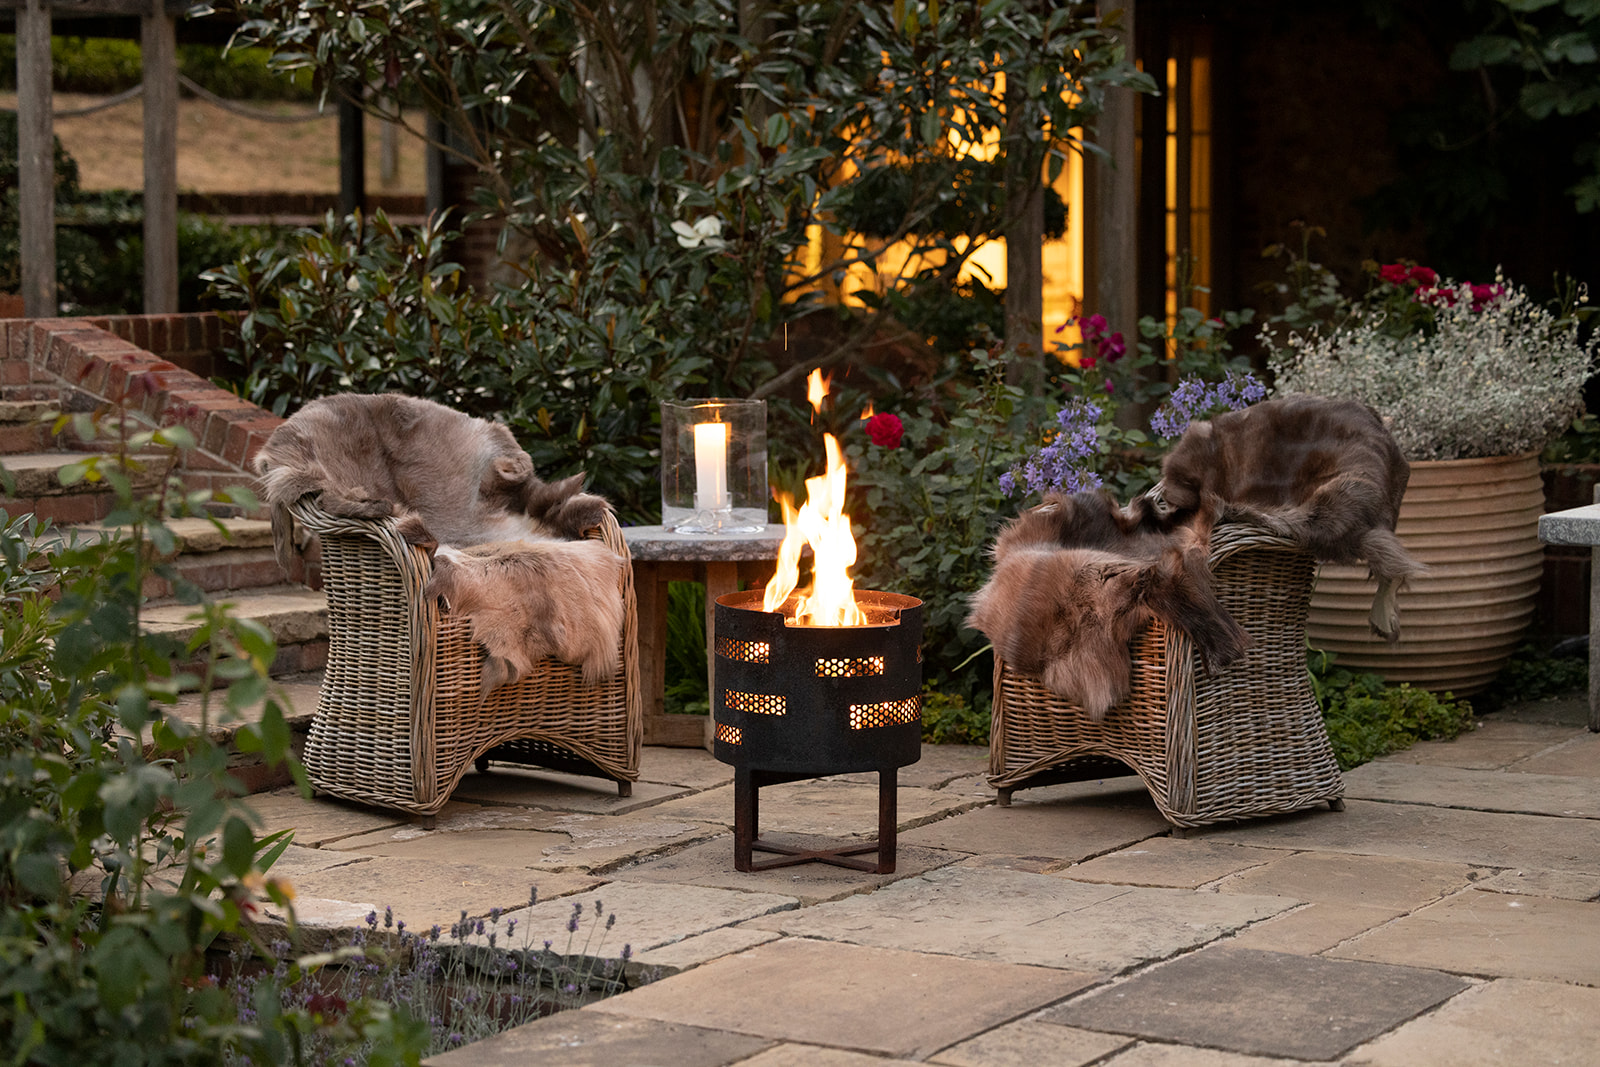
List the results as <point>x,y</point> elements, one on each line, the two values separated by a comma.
<point>1066,615</point>
<point>1075,578</point>
<point>529,600</point>
<point>457,480</point>
<point>1324,473</point>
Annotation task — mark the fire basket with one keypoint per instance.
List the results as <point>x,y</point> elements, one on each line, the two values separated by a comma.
<point>796,702</point>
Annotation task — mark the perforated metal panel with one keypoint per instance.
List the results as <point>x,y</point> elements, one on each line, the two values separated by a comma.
<point>758,703</point>
<point>856,667</point>
<point>744,651</point>
<point>887,713</point>
<point>731,735</point>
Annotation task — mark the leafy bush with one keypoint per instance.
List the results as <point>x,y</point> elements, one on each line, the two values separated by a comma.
<point>1534,673</point>
<point>105,65</point>
<point>952,720</point>
<point>1368,718</point>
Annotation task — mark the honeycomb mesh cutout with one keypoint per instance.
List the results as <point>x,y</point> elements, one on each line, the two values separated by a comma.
<point>744,651</point>
<point>729,734</point>
<point>757,703</point>
<point>887,713</point>
<point>862,667</point>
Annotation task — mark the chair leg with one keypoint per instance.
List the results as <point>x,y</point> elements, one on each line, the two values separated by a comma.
<point>481,764</point>
<point>1336,804</point>
<point>1003,797</point>
<point>624,789</point>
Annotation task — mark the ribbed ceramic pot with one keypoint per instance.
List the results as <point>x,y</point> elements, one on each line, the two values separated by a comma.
<point>1475,523</point>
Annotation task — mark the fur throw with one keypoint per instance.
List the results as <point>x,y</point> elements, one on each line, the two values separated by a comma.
<point>463,481</point>
<point>1072,585</point>
<point>1076,577</point>
<point>568,604</point>
<point>508,547</point>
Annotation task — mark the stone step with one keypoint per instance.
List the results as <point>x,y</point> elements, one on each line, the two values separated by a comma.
<point>38,487</point>
<point>296,617</point>
<point>299,691</point>
<point>23,427</point>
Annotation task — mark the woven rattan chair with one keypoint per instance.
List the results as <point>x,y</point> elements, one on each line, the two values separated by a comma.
<point>1246,742</point>
<point>400,718</point>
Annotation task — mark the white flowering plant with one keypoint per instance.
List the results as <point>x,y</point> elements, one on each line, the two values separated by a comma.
<point>1457,370</point>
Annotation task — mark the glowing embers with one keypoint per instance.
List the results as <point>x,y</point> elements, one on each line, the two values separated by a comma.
<point>755,703</point>
<point>730,735</point>
<point>886,713</point>
<point>744,651</point>
<point>857,667</point>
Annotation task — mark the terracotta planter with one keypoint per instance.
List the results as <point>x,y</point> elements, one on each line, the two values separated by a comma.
<point>1475,523</point>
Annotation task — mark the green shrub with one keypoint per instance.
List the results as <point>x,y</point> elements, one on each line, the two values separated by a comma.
<point>686,684</point>
<point>106,65</point>
<point>952,720</point>
<point>1534,673</point>
<point>1367,718</point>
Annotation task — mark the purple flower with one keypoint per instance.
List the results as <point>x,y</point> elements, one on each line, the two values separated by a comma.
<point>1194,399</point>
<point>1064,462</point>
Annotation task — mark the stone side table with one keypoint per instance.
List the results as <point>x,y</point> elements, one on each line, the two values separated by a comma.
<point>1581,526</point>
<point>721,561</point>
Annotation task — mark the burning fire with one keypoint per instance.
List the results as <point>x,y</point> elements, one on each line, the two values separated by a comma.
<point>822,524</point>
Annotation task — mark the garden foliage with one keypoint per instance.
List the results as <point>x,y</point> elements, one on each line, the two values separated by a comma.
<point>1367,718</point>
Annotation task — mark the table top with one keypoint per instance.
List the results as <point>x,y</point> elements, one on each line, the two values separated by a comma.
<point>1574,526</point>
<point>657,543</point>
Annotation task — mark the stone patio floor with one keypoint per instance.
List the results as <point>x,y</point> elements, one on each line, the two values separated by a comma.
<point>1450,915</point>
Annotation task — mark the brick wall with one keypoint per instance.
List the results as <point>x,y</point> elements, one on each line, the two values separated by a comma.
<point>146,363</point>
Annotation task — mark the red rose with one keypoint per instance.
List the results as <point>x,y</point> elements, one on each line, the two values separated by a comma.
<point>884,429</point>
<point>1423,276</point>
<point>1394,273</point>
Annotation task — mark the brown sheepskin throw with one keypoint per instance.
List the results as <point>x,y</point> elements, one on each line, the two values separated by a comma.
<point>463,481</point>
<point>1076,577</point>
<point>508,548</point>
<point>1066,614</point>
<point>568,604</point>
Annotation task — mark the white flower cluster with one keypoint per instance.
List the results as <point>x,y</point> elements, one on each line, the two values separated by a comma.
<point>1500,376</point>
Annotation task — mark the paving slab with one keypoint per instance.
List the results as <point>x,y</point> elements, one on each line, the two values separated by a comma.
<point>1073,827</point>
<point>319,821</point>
<point>455,817</point>
<point>1563,884</point>
<point>553,791</point>
<point>1031,1043</point>
<point>1023,918</point>
<point>1579,757</point>
<point>1312,929</point>
<point>1492,934</point>
<point>591,1039</point>
<point>1519,790</point>
<point>1498,1024</point>
<point>789,1054</point>
<point>1395,884</point>
<point>512,849</point>
<point>711,864</point>
<point>1148,1054</point>
<point>692,768</point>
<point>1493,745</point>
<point>598,844</point>
<point>668,960</point>
<point>883,1001</point>
<point>647,915</point>
<point>1487,839</point>
<point>1167,861</point>
<point>420,892</point>
<point>1261,1003</point>
<point>939,766</point>
<point>829,807</point>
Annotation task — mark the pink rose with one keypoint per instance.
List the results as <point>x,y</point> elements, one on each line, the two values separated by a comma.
<point>885,430</point>
<point>1113,348</point>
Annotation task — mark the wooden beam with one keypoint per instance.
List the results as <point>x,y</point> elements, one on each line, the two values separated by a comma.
<point>159,50</point>
<point>36,172</point>
<point>352,156</point>
<point>1111,247</point>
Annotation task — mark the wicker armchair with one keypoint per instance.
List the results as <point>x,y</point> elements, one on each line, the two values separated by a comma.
<point>1244,743</point>
<point>400,717</point>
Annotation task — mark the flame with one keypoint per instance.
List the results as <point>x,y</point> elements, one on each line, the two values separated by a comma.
<point>816,389</point>
<point>867,412</point>
<point>821,523</point>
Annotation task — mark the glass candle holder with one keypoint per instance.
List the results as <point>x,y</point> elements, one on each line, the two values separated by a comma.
<point>714,466</point>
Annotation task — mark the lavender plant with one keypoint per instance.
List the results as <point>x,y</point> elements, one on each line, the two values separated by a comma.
<point>1195,398</point>
<point>1067,462</point>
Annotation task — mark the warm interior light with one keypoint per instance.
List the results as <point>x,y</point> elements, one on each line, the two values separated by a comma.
<point>821,523</point>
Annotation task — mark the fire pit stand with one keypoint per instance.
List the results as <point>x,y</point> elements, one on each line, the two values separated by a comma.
<point>798,702</point>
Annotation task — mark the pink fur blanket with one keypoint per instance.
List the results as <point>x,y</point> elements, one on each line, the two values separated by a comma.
<point>509,549</point>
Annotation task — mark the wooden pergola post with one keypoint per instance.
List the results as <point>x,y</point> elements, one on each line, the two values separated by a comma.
<point>158,46</point>
<point>36,172</point>
<point>1111,250</point>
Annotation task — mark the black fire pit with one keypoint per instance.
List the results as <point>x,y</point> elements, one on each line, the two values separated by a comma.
<point>795,702</point>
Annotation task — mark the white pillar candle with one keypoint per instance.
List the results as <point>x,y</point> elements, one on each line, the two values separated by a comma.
<point>711,466</point>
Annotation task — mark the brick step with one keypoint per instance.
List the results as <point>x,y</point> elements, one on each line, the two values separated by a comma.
<point>237,557</point>
<point>296,617</point>
<point>39,489</point>
<point>300,692</point>
<point>22,426</point>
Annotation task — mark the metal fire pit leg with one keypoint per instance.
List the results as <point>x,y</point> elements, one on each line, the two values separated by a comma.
<point>747,834</point>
